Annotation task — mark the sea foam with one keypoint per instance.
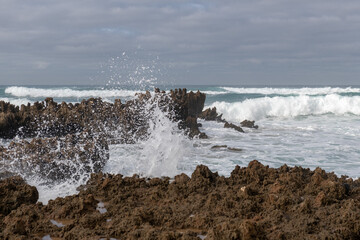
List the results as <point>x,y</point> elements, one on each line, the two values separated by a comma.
<point>288,107</point>
<point>16,101</point>
<point>67,92</point>
<point>292,91</point>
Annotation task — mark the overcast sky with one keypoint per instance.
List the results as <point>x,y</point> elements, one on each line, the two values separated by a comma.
<point>268,42</point>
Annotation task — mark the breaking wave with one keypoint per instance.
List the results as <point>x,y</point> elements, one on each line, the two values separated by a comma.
<point>292,91</point>
<point>288,107</point>
<point>17,101</point>
<point>67,92</point>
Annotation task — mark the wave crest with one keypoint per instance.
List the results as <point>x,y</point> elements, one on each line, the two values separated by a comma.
<point>288,107</point>
<point>292,91</point>
<point>67,92</point>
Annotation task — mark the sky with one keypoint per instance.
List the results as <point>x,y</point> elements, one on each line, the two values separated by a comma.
<point>247,42</point>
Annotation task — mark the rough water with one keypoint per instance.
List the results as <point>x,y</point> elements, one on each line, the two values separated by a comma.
<point>307,126</point>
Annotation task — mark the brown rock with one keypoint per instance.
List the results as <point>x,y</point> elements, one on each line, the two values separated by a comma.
<point>233,126</point>
<point>249,124</point>
<point>255,202</point>
<point>49,157</point>
<point>211,115</point>
<point>14,192</point>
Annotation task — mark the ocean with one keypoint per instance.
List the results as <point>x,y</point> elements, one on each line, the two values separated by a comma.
<point>298,126</point>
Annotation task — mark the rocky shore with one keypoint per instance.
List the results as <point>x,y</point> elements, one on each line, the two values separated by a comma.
<point>55,141</point>
<point>255,202</point>
<point>69,139</point>
<point>129,120</point>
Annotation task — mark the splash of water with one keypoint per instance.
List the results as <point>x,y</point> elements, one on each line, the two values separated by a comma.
<point>159,154</point>
<point>133,71</point>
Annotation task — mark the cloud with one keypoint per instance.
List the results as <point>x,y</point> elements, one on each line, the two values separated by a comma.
<point>205,38</point>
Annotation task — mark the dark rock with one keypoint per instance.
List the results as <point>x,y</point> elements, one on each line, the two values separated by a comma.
<point>130,121</point>
<point>211,115</point>
<point>234,149</point>
<point>249,124</point>
<point>56,158</point>
<point>233,126</point>
<point>187,107</point>
<point>14,192</point>
<point>218,146</point>
<point>255,202</point>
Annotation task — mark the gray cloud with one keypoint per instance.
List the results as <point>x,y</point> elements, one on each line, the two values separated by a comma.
<point>201,42</point>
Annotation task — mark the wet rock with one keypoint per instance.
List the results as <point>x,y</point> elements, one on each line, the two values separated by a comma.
<point>14,192</point>
<point>210,114</point>
<point>233,126</point>
<point>187,107</point>
<point>129,120</point>
<point>255,202</point>
<point>219,146</point>
<point>234,149</point>
<point>249,124</point>
<point>56,158</point>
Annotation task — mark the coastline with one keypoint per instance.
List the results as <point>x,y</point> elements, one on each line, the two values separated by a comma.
<point>255,202</point>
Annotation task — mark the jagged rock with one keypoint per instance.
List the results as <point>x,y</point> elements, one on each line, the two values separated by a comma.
<point>249,124</point>
<point>56,158</point>
<point>187,107</point>
<point>233,126</point>
<point>129,120</point>
<point>14,192</point>
<point>255,202</point>
<point>210,114</point>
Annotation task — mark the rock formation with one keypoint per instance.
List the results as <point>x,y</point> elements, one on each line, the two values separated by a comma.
<point>50,119</point>
<point>233,126</point>
<point>249,124</point>
<point>254,202</point>
<point>210,114</point>
<point>56,158</point>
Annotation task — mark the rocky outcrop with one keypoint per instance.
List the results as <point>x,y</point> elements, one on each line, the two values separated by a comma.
<point>187,107</point>
<point>210,114</point>
<point>56,158</point>
<point>233,126</point>
<point>13,193</point>
<point>254,202</point>
<point>130,119</point>
<point>249,124</point>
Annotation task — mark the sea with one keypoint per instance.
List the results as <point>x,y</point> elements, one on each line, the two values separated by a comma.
<point>298,126</point>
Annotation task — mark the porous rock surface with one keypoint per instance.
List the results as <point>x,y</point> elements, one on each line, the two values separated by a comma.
<point>255,202</point>
<point>70,139</point>
<point>49,119</point>
<point>57,157</point>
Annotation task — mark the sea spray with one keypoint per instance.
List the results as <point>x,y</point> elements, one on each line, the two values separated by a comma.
<point>157,155</point>
<point>56,166</point>
<point>132,69</point>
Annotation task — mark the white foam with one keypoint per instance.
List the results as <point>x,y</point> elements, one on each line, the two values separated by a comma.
<point>16,101</point>
<point>288,107</point>
<point>58,224</point>
<point>67,92</point>
<point>212,92</point>
<point>157,156</point>
<point>292,91</point>
<point>101,207</point>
